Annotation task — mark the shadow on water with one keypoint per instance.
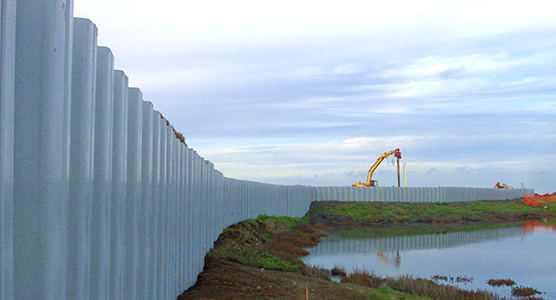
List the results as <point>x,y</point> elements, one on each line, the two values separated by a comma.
<point>522,251</point>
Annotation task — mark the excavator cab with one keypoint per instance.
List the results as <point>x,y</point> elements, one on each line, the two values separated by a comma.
<point>361,184</point>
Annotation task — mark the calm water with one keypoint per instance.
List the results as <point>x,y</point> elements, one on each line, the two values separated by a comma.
<point>524,253</point>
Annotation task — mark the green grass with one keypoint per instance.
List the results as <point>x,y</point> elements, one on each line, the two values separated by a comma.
<point>289,222</point>
<point>437,212</point>
<point>256,258</point>
<point>246,243</point>
<point>386,293</point>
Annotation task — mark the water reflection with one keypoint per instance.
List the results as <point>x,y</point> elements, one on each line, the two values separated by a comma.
<point>338,243</point>
<point>539,226</point>
<point>523,252</point>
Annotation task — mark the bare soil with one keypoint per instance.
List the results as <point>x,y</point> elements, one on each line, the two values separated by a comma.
<point>226,279</point>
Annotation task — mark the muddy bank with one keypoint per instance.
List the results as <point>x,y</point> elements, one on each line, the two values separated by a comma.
<point>260,259</point>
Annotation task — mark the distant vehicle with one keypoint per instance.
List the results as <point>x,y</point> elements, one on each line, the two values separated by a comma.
<point>372,183</point>
<point>500,185</point>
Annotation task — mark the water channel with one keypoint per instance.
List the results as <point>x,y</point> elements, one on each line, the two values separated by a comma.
<point>523,252</point>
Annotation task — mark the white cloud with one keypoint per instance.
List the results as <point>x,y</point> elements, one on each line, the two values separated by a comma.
<point>312,92</point>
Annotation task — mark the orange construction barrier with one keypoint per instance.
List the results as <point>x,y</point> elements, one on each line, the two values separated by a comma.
<point>535,199</point>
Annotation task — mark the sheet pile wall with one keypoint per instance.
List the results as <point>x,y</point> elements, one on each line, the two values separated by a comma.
<point>98,197</point>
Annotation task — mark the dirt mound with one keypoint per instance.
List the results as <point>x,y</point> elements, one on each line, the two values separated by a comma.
<point>536,199</point>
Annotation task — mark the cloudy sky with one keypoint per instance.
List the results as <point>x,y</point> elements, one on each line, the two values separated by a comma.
<point>312,92</point>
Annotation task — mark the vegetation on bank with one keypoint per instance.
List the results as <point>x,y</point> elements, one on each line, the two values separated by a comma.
<point>274,243</point>
<point>417,286</point>
<point>277,243</point>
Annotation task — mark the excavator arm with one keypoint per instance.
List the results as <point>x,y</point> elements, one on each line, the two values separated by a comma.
<point>370,182</point>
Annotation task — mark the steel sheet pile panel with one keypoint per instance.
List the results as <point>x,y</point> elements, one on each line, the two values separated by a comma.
<point>7,75</point>
<point>144,216</point>
<point>161,210</point>
<point>177,230</point>
<point>173,216</point>
<point>81,156</point>
<point>301,199</point>
<point>41,142</point>
<point>181,212</point>
<point>119,185</point>
<point>195,204</point>
<point>102,176</point>
<point>182,215</point>
<point>232,193</point>
<point>168,214</point>
<point>218,184</point>
<point>227,201</point>
<point>243,204</point>
<point>153,206</point>
<point>411,193</point>
<point>195,207</point>
<point>333,194</point>
<point>188,219</point>
<point>200,224</point>
<point>232,197</point>
<point>133,196</point>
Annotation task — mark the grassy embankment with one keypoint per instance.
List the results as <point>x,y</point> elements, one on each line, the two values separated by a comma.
<point>341,213</point>
<point>276,243</point>
<point>267,242</point>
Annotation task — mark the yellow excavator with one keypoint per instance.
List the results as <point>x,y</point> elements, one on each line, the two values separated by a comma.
<point>370,181</point>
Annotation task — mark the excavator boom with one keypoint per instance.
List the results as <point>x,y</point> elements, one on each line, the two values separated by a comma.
<point>370,181</point>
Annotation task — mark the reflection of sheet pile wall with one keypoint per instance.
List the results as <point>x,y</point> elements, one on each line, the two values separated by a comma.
<point>392,244</point>
<point>98,198</point>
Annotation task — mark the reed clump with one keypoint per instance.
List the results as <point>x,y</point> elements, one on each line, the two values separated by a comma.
<point>500,282</point>
<point>451,279</point>
<point>338,271</point>
<point>317,272</point>
<point>522,291</point>
<point>419,286</point>
<point>429,288</point>
<point>364,278</point>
